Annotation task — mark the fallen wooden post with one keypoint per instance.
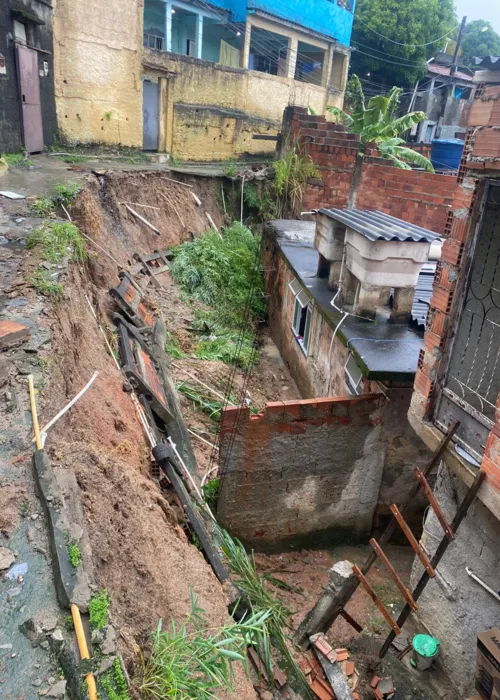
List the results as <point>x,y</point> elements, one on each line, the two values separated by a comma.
<point>184,184</point>
<point>171,204</point>
<point>144,221</point>
<point>196,199</point>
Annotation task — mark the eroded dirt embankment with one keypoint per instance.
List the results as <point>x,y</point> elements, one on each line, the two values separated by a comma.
<point>141,555</point>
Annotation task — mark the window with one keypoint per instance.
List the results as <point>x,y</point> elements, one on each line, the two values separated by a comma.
<point>20,32</point>
<point>353,376</point>
<point>302,315</point>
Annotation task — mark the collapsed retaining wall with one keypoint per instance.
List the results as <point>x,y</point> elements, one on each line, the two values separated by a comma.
<point>301,473</point>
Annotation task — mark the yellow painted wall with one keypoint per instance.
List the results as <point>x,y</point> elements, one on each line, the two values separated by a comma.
<point>207,111</point>
<point>97,70</point>
<point>213,111</point>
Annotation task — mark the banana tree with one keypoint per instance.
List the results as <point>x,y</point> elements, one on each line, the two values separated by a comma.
<point>375,122</point>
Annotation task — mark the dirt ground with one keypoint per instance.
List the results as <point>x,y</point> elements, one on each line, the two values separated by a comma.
<point>141,555</point>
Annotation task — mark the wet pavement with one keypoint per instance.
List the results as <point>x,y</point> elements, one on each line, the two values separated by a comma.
<point>27,669</point>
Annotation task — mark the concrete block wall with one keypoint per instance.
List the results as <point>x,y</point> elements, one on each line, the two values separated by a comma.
<point>301,473</point>
<point>454,606</point>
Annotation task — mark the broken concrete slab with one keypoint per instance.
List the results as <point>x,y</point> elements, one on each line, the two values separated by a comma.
<point>62,508</point>
<point>12,333</point>
<point>58,690</point>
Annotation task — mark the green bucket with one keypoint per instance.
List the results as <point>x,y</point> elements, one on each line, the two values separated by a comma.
<point>425,650</point>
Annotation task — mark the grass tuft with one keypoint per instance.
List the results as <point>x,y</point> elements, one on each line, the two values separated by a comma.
<point>196,660</point>
<point>74,554</point>
<point>57,239</point>
<point>112,684</point>
<point>211,492</point>
<point>43,206</point>
<point>65,192</point>
<point>17,159</point>
<point>172,347</point>
<point>42,281</point>
<point>74,158</point>
<point>98,610</point>
<point>208,405</point>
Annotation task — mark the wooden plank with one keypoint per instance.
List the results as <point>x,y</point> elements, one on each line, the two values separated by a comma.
<point>376,600</point>
<point>438,511</point>
<point>393,573</point>
<point>442,547</point>
<point>412,540</point>
<point>184,184</point>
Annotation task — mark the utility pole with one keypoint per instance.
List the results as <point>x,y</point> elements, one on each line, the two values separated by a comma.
<point>457,47</point>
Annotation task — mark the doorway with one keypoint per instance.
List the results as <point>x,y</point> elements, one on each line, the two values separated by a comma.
<point>150,116</point>
<point>29,89</point>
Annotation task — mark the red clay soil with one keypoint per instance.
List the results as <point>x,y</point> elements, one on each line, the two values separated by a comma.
<point>140,553</point>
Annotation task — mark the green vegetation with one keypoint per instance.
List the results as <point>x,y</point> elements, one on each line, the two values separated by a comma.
<point>74,554</point>
<point>230,167</point>
<point>68,623</point>
<point>251,584</point>
<point>43,206</point>
<point>291,173</point>
<point>172,346</point>
<point>98,610</point>
<point>17,159</point>
<point>42,281</point>
<point>413,24</point>
<point>211,492</point>
<point>196,660</point>
<point>480,39</point>
<point>112,684</point>
<point>222,271</point>
<point>65,192</point>
<point>259,202</point>
<point>74,158</point>
<point>202,401</point>
<point>108,115</point>
<point>24,508</point>
<point>57,239</point>
<point>376,122</point>
<point>174,160</point>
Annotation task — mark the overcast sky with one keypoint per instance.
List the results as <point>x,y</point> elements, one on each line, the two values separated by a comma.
<point>480,9</point>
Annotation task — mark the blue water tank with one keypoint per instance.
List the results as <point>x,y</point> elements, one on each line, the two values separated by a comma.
<point>446,153</point>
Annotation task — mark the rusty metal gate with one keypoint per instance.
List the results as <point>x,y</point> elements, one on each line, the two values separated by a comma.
<point>472,382</point>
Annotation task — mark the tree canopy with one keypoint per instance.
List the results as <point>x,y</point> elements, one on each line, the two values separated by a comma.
<point>479,39</point>
<point>414,24</point>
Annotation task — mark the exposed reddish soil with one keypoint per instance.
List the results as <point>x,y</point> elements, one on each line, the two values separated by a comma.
<point>141,555</point>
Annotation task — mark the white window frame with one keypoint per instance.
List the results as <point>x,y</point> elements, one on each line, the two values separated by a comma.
<point>301,301</point>
<point>351,383</point>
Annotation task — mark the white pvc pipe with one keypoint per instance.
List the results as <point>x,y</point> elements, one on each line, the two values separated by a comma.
<point>70,404</point>
<point>482,583</point>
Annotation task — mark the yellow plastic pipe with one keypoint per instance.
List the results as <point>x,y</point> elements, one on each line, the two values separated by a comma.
<point>34,413</point>
<point>84,651</point>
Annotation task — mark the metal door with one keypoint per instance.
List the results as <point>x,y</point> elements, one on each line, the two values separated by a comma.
<point>472,384</point>
<point>150,116</point>
<point>29,88</point>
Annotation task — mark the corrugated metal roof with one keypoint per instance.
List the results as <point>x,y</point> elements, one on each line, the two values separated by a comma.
<point>489,62</point>
<point>377,226</point>
<point>423,293</point>
<point>438,69</point>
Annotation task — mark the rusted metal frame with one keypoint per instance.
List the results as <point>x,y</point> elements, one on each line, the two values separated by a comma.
<point>348,618</point>
<point>376,600</point>
<point>412,540</point>
<point>393,573</point>
<point>442,547</point>
<point>438,511</point>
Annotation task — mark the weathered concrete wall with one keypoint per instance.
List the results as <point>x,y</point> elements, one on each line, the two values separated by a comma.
<point>211,111</point>
<point>454,606</point>
<point>97,55</point>
<point>321,373</point>
<point>301,473</point>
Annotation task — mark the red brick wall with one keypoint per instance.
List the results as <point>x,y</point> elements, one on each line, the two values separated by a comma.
<point>372,183</point>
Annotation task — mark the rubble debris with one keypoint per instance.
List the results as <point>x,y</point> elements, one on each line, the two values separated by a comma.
<point>12,333</point>
<point>7,558</point>
<point>382,688</point>
<point>11,195</point>
<point>334,673</point>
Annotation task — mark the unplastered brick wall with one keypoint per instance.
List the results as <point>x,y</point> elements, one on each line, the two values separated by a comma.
<point>302,473</point>
<point>348,180</point>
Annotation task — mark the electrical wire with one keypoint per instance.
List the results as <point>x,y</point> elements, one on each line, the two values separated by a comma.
<point>399,43</point>
<point>384,53</point>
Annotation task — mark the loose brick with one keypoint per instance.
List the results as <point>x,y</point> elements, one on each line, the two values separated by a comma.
<point>12,333</point>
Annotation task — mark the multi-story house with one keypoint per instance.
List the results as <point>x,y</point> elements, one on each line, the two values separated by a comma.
<point>200,80</point>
